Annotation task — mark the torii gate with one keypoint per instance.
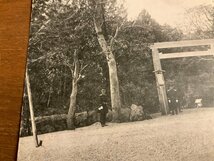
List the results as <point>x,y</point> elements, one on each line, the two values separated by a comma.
<point>157,56</point>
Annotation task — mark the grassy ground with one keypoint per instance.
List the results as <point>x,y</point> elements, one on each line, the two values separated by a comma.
<point>185,137</point>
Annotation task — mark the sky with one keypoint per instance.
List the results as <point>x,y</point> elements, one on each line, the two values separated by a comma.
<point>163,11</point>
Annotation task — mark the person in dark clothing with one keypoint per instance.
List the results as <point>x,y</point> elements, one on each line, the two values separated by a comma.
<point>103,109</point>
<point>180,101</point>
<point>173,100</point>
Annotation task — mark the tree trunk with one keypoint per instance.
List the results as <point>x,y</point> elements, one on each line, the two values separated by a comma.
<point>49,97</point>
<point>106,49</point>
<point>114,89</point>
<point>73,96</point>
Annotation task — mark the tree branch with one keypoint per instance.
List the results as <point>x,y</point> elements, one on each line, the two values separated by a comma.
<point>70,67</point>
<point>41,58</point>
<point>116,34</point>
<point>81,70</point>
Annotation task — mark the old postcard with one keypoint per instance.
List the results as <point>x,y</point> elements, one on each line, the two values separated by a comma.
<point>119,80</point>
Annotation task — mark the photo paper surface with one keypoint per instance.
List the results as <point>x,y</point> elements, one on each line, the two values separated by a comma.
<point>119,80</point>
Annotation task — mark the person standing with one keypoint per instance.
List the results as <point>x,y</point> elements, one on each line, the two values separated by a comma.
<point>103,109</point>
<point>173,100</point>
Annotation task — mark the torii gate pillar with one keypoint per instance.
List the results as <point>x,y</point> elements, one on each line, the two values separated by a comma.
<point>161,88</point>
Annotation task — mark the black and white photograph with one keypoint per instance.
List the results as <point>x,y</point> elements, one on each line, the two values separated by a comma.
<point>119,80</point>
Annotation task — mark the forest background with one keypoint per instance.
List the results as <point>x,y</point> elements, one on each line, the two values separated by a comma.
<point>68,66</point>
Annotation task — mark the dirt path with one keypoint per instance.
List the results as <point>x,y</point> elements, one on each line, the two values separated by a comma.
<point>185,137</point>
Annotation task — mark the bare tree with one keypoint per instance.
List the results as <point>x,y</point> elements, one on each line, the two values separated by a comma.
<point>200,20</point>
<point>76,74</point>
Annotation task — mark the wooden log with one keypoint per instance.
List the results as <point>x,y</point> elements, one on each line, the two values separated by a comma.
<point>51,117</point>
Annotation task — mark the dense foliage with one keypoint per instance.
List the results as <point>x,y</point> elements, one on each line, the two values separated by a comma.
<point>58,29</point>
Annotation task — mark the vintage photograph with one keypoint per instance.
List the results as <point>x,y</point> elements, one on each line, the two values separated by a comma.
<point>119,80</point>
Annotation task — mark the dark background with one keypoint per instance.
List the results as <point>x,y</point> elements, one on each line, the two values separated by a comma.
<point>14,31</point>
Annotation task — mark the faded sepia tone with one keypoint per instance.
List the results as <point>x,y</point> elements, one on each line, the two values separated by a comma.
<point>171,12</point>
<point>119,80</point>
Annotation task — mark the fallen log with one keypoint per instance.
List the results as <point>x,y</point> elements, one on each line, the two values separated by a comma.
<point>51,117</point>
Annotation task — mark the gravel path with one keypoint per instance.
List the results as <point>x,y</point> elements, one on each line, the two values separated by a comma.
<point>185,137</point>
